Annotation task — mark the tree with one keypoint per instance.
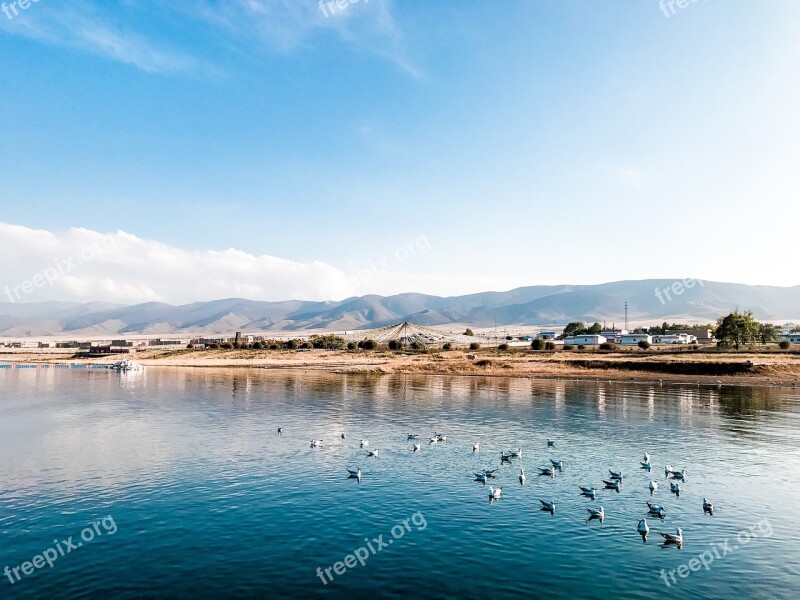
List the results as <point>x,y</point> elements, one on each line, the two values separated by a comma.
<point>369,345</point>
<point>538,344</point>
<point>351,345</point>
<point>503,347</point>
<point>291,345</point>
<point>784,344</point>
<point>767,333</point>
<point>469,332</point>
<point>644,344</point>
<point>549,346</point>
<point>574,328</point>
<point>737,328</point>
<point>394,345</point>
<point>474,346</point>
<point>595,329</point>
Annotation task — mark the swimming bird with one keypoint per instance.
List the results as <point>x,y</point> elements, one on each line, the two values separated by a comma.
<point>505,457</point>
<point>412,436</point>
<point>440,437</point>
<point>657,510</point>
<point>495,493</point>
<point>481,477</point>
<point>522,476</point>
<point>647,465</point>
<point>280,429</point>
<point>614,484</point>
<point>549,506</point>
<point>596,513</point>
<point>490,473</point>
<point>675,488</point>
<point>590,492</point>
<point>315,443</point>
<point>416,448</point>
<point>364,443</point>
<point>557,464</point>
<point>344,435</point>
<point>707,506</point>
<point>356,473</point>
<point>668,470</point>
<point>434,440</point>
<point>646,456</point>
<point>549,471</point>
<point>550,443</point>
<point>673,538</point>
<point>615,474</point>
<point>515,453</point>
<point>643,528</point>
<point>372,453</point>
<point>653,486</point>
<point>681,475</point>
<point>476,447</point>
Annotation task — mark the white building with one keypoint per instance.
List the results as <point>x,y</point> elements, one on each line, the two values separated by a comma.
<point>585,340</point>
<point>675,338</point>
<point>632,339</point>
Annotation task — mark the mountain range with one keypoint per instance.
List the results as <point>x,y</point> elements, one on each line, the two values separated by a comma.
<point>534,305</point>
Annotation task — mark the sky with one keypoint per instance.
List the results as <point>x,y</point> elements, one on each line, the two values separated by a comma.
<point>276,149</point>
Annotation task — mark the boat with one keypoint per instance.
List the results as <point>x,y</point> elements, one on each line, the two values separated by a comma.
<point>126,365</point>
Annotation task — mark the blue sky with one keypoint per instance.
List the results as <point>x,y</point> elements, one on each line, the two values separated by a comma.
<point>526,141</point>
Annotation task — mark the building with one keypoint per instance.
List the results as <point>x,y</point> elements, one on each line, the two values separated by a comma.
<point>632,339</point>
<point>585,340</point>
<point>160,342</point>
<point>613,334</point>
<point>675,338</point>
<point>546,335</point>
<point>794,338</point>
<point>109,349</point>
<point>696,336</point>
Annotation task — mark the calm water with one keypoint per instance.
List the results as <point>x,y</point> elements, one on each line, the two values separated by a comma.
<point>201,497</point>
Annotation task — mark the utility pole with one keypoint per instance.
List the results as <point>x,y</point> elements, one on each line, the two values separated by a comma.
<point>626,315</point>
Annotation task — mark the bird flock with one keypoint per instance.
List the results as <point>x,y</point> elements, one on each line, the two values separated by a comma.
<point>614,482</point>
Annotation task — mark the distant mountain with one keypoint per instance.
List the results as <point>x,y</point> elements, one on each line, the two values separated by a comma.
<point>535,305</point>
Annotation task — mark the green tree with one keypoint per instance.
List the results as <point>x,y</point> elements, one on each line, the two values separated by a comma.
<point>474,346</point>
<point>595,329</point>
<point>469,332</point>
<point>369,345</point>
<point>394,345</point>
<point>575,328</point>
<point>538,344</point>
<point>291,345</point>
<point>767,333</point>
<point>737,328</point>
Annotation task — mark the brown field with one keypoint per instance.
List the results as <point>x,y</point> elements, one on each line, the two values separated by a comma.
<point>707,367</point>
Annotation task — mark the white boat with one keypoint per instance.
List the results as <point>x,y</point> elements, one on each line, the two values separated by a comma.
<point>126,365</point>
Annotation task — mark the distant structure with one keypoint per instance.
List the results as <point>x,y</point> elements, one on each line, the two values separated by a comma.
<point>407,333</point>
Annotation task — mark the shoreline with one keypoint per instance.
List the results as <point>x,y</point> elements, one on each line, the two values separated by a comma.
<point>686,368</point>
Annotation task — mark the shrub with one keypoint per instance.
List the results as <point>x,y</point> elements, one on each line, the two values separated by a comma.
<point>215,346</point>
<point>189,346</point>
<point>503,347</point>
<point>644,344</point>
<point>291,345</point>
<point>469,332</point>
<point>415,345</point>
<point>394,345</point>
<point>474,346</point>
<point>483,363</point>
<point>785,344</point>
<point>538,344</point>
<point>509,338</point>
<point>227,346</point>
<point>549,346</point>
<point>608,346</point>
<point>581,347</point>
<point>369,345</point>
<point>447,346</point>
<point>569,347</point>
<point>273,346</point>
<point>352,345</point>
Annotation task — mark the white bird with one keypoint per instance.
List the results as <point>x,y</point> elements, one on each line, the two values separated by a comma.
<point>315,443</point>
<point>589,491</point>
<point>476,446</point>
<point>673,538</point>
<point>653,486</point>
<point>615,474</point>
<point>646,456</point>
<point>372,453</point>
<point>481,477</point>
<point>657,510</point>
<point>490,473</point>
<point>707,506</point>
<point>675,488</point>
<point>441,437</point>
<point>597,513</point>
<point>495,493</point>
<point>558,464</point>
<point>614,484</point>
<point>643,529</point>
<point>647,465</point>
<point>434,441</point>
<point>355,473</point>
<point>344,435</point>
<point>364,443</point>
<point>522,476</point>
<point>416,448</point>
<point>551,506</point>
<point>515,453</point>
<point>680,475</point>
<point>667,470</point>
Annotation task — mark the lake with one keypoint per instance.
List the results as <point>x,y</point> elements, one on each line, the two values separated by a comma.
<point>176,482</point>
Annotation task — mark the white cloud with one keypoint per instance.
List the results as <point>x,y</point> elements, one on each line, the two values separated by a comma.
<point>83,265</point>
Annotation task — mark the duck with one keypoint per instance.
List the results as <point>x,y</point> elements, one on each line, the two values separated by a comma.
<point>643,528</point>
<point>549,506</point>
<point>364,443</point>
<point>315,443</point>
<point>707,506</point>
<point>653,486</point>
<point>356,473</point>
<point>616,474</point>
<point>558,464</point>
<point>596,513</point>
<point>495,493</point>
<point>416,448</point>
<point>522,476</point>
<point>372,453</point>
<point>614,484</point>
<point>673,538</point>
<point>476,447</point>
